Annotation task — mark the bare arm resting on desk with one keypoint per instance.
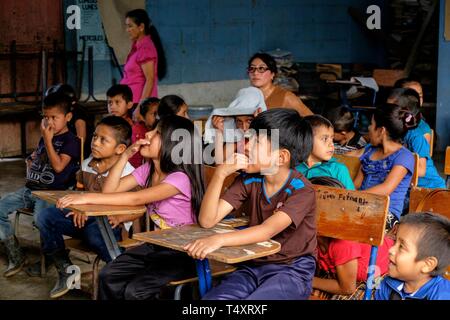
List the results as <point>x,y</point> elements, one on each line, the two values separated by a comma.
<point>159,192</point>
<point>200,248</point>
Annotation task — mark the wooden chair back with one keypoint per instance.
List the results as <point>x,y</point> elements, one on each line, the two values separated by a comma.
<point>352,163</point>
<point>351,215</point>
<point>415,176</point>
<point>447,162</point>
<point>387,77</point>
<point>431,142</point>
<point>432,200</point>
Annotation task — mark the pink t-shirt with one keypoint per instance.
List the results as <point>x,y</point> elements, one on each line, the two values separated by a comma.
<point>142,51</point>
<point>176,210</point>
<point>342,251</point>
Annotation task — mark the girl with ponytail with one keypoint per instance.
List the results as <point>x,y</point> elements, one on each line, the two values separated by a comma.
<point>387,166</point>
<point>416,139</point>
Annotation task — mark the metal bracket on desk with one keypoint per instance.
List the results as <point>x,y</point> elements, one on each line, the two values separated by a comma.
<point>108,237</point>
<point>371,273</point>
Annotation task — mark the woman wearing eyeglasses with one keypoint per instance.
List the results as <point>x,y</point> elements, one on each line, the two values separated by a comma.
<point>262,69</point>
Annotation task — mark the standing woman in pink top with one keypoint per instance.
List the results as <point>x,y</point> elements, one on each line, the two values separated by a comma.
<point>146,62</point>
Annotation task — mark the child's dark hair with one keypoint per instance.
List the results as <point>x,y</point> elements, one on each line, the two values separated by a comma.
<point>140,16</point>
<point>169,105</point>
<point>120,89</point>
<point>267,59</point>
<point>407,99</point>
<point>433,238</point>
<point>121,127</point>
<point>341,118</point>
<point>327,181</point>
<point>189,143</point>
<point>146,103</point>
<point>401,83</point>
<point>63,88</point>
<point>396,120</point>
<point>58,100</point>
<point>317,121</point>
<point>295,133</point>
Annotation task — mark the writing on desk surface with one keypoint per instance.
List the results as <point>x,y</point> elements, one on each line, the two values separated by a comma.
<point>178,238</point>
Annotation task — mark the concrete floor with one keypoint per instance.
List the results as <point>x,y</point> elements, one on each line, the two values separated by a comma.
<point>21,286</point>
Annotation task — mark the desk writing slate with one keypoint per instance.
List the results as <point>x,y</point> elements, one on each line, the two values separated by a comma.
<point>177,238</point>
<point>91,210</point>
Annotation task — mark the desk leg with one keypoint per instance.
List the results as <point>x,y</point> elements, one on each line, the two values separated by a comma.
<point>108,237</point>
<point>371,273</point>
<point>204,276</point>
<point>201,277</point>
<point>207,272</point>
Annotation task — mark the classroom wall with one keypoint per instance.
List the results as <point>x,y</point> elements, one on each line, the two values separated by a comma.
<point>211,40</point>
<point>443,87</point>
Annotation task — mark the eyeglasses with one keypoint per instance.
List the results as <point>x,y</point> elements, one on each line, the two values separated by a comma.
<point>259,69</point>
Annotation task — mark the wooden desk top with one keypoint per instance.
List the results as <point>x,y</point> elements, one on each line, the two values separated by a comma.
<point>177,238</point>
<point>91,210</point>
<point>234,222</point>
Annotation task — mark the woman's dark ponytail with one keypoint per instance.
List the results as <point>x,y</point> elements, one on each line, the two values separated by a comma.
<point>140,16</point>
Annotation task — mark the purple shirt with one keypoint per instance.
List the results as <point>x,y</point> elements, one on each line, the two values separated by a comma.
<point>176,210</point>
<point>142,51</point>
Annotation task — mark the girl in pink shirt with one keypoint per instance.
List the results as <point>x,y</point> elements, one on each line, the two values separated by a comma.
<point>146,61</point>
<point>172,193</point>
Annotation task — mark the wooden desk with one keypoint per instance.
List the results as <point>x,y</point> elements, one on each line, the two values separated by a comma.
<point>177,238</point>
<point>100,212</point>
<point>234,222</point>
<point>91,210</point>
